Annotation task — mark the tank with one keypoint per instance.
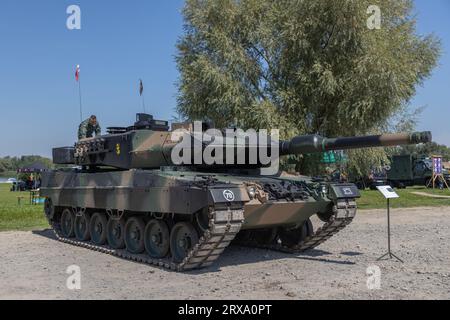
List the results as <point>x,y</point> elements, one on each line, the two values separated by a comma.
<point>126,196</point>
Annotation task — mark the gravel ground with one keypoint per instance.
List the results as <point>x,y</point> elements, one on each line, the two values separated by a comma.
<point>33,266</point>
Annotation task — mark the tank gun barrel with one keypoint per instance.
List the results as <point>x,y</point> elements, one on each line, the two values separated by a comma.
<point>315,143</point>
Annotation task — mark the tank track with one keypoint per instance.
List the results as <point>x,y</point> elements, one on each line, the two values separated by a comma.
<point>224,224</point>
<point>343,214</point>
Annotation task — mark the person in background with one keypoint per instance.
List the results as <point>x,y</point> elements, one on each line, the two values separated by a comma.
<point>343,177</point>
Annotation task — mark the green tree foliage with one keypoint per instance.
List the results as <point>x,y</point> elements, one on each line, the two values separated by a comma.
<point>301,66</point>
<point>11,164</point>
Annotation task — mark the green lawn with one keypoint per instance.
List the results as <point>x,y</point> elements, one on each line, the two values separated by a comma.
<point>31,217</point>
<point>372,199</point>
<point>23,217</point>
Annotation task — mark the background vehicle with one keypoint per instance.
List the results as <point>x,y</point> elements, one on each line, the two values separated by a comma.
<point>375,178</point>
<point>408,170</point>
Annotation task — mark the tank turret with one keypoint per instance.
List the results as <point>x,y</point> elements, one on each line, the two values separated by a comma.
<point>149,144</point>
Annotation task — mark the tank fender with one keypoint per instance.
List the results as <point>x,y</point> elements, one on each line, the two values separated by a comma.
<point>228,194</point>
<point>343,191</point>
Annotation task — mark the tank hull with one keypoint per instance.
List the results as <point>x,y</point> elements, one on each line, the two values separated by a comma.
<point>155,191</point>
<point>250,210</point>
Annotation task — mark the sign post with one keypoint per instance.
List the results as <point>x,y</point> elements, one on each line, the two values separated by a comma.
<point>388,193</point>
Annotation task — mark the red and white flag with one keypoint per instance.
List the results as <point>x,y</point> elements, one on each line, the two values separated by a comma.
<point>77,73</point>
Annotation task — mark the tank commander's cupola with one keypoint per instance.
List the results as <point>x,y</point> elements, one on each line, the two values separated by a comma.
<point>144,121</point>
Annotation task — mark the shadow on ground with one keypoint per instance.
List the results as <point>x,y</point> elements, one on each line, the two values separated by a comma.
<point>351,253</point>
<point>46,233</point>
<point>238,255</point>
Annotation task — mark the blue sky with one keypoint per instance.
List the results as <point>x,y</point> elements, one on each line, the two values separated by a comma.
<point>120,42</point>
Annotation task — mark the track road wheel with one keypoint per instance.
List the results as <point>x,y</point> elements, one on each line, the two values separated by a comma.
<point>157,239</point>
<point>67,222</point>
<point>49,209</point>
<point>115,230</point>
<point>295,236</point>
<point>81,227</point>
<point>182,239</point>
<point>134,235</point>
<point>97,228</point>
<point>202,219</point>
<point>326,216</point>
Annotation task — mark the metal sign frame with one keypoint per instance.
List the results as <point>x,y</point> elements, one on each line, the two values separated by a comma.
<point>389,194</point>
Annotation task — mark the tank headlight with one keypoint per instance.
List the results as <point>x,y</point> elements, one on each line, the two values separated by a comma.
<point>251,192</point>
<point>324,189</point>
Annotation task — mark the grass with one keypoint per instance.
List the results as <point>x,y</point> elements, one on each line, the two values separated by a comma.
<point>19,217</point>
<point>372,199</point>
<point>31,217</point>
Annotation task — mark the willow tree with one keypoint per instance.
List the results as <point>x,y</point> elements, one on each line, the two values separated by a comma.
<point>301,66</point>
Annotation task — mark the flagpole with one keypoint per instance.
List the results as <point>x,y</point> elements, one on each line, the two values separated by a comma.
<point>78,79</point>
<point>143,102</point>
<point>81,106</point>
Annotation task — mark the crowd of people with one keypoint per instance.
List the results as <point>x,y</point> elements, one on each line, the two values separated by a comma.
<point>28,183</point>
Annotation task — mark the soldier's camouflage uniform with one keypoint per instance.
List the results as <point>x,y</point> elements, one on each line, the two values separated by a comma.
<point>87,130</point>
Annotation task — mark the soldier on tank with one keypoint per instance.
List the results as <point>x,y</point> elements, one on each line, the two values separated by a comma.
<point>88,127</point>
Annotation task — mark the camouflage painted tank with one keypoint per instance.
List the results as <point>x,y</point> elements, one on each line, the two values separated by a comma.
<point>129,199</point>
